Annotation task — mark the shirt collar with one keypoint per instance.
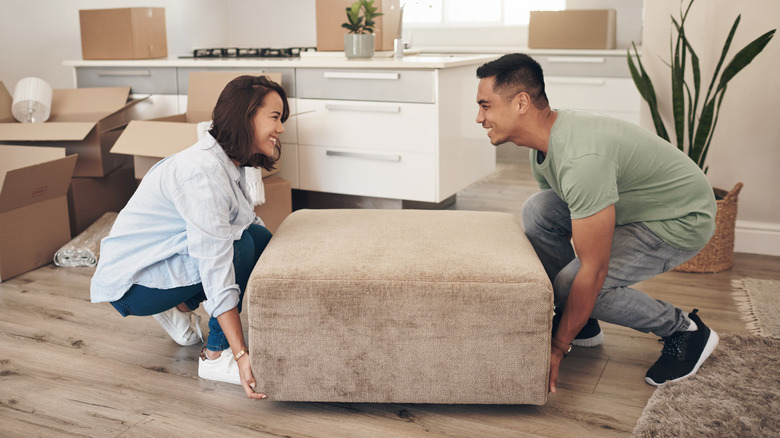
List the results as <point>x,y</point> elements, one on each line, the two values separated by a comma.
<point>207,142</point>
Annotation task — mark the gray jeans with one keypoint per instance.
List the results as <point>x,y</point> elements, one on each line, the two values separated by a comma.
<point>637,254</point>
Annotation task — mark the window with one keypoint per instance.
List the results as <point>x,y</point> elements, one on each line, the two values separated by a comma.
<point>474,12</point>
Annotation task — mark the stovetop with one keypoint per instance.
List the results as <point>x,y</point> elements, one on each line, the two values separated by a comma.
<point>235,52</point>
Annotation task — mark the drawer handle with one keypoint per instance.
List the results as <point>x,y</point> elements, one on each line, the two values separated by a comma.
<point>364,156</point>
<point>124,73</point>
<point>577,59</point>
<point>363,108</point>
<point>360,75</point>
<point>575,81</point>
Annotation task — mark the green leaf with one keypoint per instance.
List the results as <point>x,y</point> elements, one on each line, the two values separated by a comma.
<point>646,90</point>
<point>678,84</point>
<point>702,131</point>
<point>706,148</point>
<point>745,57</point>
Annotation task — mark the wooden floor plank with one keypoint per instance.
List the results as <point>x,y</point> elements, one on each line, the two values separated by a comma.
<point>72,368</point>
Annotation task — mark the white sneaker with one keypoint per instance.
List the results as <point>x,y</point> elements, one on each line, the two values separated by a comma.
<point>222,369</point>
<point>183,327</point>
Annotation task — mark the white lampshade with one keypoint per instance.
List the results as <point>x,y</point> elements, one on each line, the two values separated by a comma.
<point>32,100</point>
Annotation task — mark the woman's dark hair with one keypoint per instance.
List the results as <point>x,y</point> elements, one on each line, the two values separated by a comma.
<point>515,73</point>
<point>233,119</point>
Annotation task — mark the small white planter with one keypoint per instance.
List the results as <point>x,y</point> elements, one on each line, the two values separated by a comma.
<point>359,45</point>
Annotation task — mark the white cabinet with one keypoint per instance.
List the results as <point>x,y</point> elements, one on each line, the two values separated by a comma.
<point>379,149</point>
<point>402,130</point>
<point>378,126</point>
<point>617,97</point>
<point>599,83</point>
<point>399,134</point>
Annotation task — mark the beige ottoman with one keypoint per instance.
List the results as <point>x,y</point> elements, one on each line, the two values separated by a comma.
<point>400,306</point>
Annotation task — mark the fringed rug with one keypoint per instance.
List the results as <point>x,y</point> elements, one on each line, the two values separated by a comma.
<point>736,392</point>
<point>759,302</point>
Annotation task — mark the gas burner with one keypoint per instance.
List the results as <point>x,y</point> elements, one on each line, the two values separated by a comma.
<point>234,52</point>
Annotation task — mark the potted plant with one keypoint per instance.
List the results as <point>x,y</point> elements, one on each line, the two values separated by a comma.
<point>359,42</point>
<point>695,120</point>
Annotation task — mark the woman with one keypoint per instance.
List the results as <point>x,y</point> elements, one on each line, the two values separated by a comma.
<point>189,233</point>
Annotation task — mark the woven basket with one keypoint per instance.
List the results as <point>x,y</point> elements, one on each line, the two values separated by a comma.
<point>718,254</point>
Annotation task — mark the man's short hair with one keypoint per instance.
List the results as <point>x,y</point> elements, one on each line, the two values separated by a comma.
<point>515,73</point>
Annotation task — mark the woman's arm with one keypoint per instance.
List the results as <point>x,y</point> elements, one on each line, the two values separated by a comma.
<point>230,322</point>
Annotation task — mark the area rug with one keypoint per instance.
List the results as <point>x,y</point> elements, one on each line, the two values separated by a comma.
<point>759,302</point>
<point>736,393</point>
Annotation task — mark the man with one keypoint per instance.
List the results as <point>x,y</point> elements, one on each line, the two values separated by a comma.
<point>633,205</point>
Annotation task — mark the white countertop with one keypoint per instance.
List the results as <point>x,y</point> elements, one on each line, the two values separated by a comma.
<point>323,60</point>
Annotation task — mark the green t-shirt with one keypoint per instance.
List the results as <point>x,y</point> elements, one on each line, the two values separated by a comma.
<point>594,161</point>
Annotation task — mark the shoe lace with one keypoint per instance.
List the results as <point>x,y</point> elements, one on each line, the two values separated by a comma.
<point>674,344</point>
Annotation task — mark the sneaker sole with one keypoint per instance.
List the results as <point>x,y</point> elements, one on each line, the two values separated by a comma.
<point>709,347</point>
<point>217,378</point>
<point>593,341</point>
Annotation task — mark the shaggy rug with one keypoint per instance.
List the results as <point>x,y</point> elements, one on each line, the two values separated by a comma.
<point>737,390</point>
<point>736,393</point>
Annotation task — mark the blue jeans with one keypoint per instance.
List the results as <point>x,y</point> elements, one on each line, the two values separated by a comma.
<point>145,301</point>
<point>637,254</point>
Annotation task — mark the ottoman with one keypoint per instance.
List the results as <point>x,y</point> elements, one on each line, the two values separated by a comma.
<point>400,306</point>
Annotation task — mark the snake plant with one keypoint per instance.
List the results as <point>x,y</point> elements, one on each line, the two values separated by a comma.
<point>697,122</point>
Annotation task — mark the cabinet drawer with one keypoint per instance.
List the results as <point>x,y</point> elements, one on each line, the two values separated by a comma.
<point>288,75</point>
<point>406,175</point>
<point>154,106</point>
<point>374,85</point>
<point>569,65</point>
<point>368,125</point>
<point>593,94</point>
<point>291,125</point>
<point>142,80</point>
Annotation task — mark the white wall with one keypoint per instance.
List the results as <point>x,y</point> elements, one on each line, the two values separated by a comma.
<point>513,38</point>
<point>257,23</point>
<point>746,144</point>
<point>37,35</point>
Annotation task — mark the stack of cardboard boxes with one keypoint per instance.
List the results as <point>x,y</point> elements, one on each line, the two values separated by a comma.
<point>60,176</point>
<point>83,125</point>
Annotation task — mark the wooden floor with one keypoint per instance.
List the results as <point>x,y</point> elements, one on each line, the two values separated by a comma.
<point>72,368</point>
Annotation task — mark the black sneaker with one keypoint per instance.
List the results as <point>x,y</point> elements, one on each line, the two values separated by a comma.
<point>683,353</point>
<point>590,335</point>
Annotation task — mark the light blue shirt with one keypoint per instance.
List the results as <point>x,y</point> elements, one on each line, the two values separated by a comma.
<point>178,229</point>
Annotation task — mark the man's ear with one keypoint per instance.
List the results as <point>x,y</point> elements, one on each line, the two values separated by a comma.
<point>521,102</point>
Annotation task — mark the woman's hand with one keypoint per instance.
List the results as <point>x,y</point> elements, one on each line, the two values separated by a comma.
<point>231,326</point>
<point>247,378</point>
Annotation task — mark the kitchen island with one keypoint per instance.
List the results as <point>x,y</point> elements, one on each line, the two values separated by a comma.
<point>400,131</point>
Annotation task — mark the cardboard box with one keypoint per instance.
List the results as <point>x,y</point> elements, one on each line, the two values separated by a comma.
<point>278,202</point>
<point>81,121</point>
<point>149,141</point>
<point>90,198</point>
<point>33,206</point>
<point>332,13</point>
<point>126,33</point>
<point>572,29</point>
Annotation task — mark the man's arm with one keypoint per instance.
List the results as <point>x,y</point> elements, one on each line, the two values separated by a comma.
<point>592,242</point>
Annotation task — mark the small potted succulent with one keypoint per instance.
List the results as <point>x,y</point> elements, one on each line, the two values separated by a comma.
<point>359,42</point>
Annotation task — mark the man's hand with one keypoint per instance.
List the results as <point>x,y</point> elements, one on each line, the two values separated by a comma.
<point>592,242</point>
<point>555,365</point>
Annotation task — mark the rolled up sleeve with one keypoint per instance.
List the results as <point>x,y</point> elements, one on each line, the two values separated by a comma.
<point>207,205</point>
